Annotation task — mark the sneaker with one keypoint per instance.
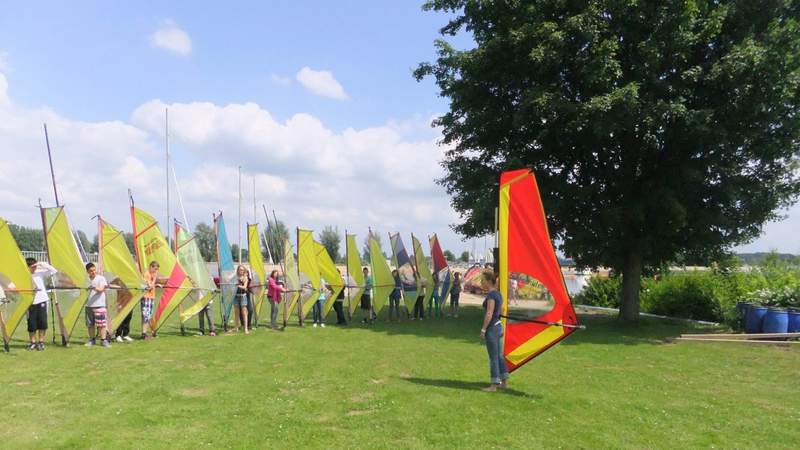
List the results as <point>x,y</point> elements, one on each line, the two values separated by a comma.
<point>40,346</point>
<point>322,325</point>
<point>89,343</point>
<point>32,346</point>
<point>490,388</point>
<point>212,333</point>
<point>315,324</point>
<point>105,343</point>
<point>127,339</point>
<point>119,339</point>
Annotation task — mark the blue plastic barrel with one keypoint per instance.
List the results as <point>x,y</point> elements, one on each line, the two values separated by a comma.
<point>741,309</point>
<point>775,321</point>
<point>794,321</point>
<point>752,321</point>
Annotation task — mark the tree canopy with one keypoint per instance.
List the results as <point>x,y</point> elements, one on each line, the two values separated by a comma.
<point>330,238</point>
<point>655,129</point>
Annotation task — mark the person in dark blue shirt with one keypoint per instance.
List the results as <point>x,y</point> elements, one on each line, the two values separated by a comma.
<point>394,297</point>
<point>492,332</point>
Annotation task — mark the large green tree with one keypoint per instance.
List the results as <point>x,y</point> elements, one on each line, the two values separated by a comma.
<point>28,239</point>
<point>330,238</point>
<point>206,241</point>
<point>655,128</point>
<point>276,234</point>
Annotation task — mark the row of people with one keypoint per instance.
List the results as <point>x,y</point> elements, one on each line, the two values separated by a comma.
<point>96,311</point>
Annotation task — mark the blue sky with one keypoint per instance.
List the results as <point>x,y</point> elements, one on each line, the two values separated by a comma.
<point>314,99</point>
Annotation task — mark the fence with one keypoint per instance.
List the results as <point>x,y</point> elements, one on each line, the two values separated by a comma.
<point>42,256</point>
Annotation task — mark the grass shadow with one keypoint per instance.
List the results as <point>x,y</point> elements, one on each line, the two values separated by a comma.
<point>464,385</point>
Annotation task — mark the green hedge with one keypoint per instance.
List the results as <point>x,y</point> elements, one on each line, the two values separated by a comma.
<point>704,295</point>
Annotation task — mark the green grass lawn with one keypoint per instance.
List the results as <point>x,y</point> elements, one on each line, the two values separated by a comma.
<point>409,385</point>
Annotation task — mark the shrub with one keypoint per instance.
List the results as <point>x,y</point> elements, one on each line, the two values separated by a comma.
<point>685,295</point>
<point>600,291</point>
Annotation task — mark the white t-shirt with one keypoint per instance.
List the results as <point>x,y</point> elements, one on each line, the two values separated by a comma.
<point>42,272</point>
<point>97,299</point>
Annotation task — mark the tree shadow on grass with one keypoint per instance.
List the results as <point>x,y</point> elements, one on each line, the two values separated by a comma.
<point>464,385</point>
<point>601,329</point>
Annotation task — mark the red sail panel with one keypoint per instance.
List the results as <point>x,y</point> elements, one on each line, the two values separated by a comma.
<point>439,261</point>
<point>526,248</point>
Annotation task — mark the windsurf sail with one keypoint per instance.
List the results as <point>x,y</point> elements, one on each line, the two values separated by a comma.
<point>309,271</point>
<point>332,277</point>
<point>382,280</point>
<point>526,248</point>
<point>16,284</point>
<point>150,245</point>
<point>71,281</point>
<point>355,279</point>
<point>258,286</point>
<point>441,269</point>
<point>405,269</point>
<point>423,272</point>
<point>118,267</point>
<point>227,271</point>
<point>293,287</point>
<point>190,258</point>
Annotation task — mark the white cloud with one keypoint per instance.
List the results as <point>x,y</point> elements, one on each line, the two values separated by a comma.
<point>173,38</point>
<point>3,90</point>
<point>281,80</point>
<point>321,82</point>
<point>309,174</point>
<point>4,65</point>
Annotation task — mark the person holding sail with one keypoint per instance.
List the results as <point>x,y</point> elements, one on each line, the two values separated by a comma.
<point>241,300</point>
<point>492,332</point>
<point>274,291</point>
<point>37,312</point>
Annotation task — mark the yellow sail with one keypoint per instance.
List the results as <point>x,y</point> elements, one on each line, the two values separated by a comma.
<point>119,268</point>
<point>423,271</point>
<point>192,261</point>
<point>72,280</point>
<point>150,245</point>
<point>309,271</point>
<point>355,282</point>
<point>259,283</point>
<point>332,277</point>
<point>382,280</point>
<point>291,277</point>
<point>15,283</point>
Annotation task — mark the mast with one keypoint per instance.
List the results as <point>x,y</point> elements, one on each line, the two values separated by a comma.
<point>266,237</point>
<point>283,268</point>
<point>347,272</point>
<point>166,172</point>
<point>50,158</point>
<point>240,215</point>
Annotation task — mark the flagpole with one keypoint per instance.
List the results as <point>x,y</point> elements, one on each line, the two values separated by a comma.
<point>55,192</point>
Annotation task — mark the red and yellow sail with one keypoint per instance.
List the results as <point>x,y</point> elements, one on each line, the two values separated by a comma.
<point>150,245</point>
<point>526,248</point>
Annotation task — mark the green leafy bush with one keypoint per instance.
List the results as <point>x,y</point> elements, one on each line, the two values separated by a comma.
<point>685,295</point>
<point>600,291</point>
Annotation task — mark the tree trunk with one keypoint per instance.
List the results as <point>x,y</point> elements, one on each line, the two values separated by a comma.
<point>631,282</point>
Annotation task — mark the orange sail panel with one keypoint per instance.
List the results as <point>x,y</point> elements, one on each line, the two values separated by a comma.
<point>526,249</point>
